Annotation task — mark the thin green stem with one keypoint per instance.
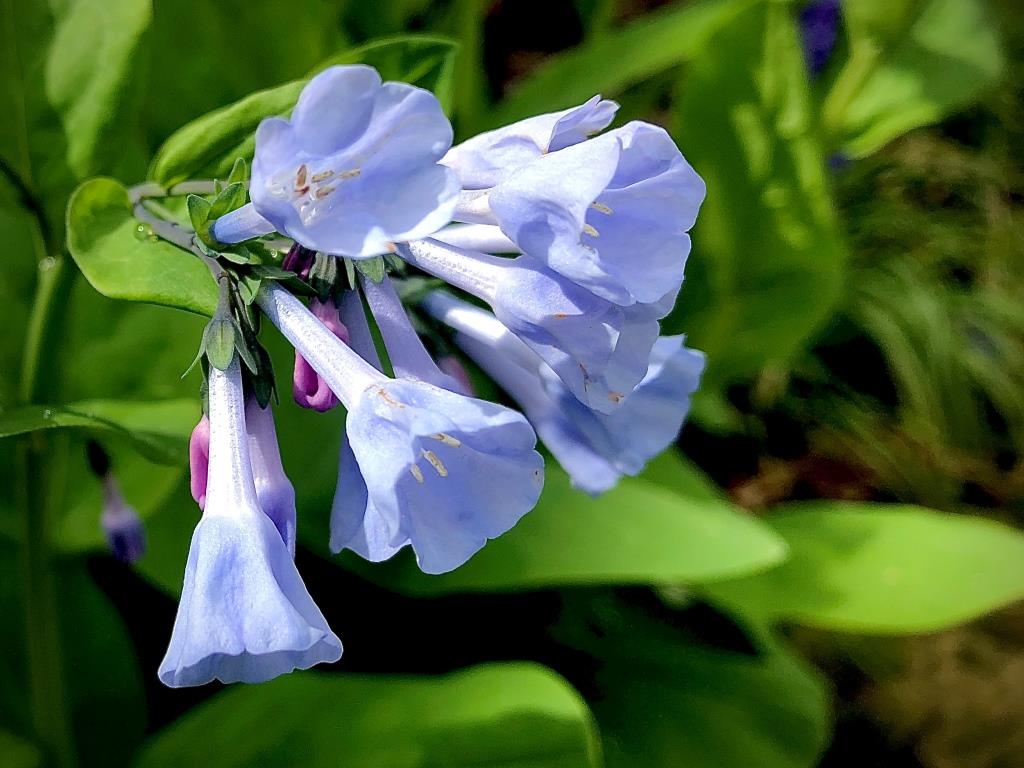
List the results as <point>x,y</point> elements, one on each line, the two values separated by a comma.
<point>51,718</point>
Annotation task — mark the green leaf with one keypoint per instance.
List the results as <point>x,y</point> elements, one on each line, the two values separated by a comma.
<point>209,145</point>
<point>664,701</point>
<point>232,197</point>
<point>768,259</point>
<point>638,533</point>
<point>157,430</point>
<point>104,239</point>
<point>500,715</point>
<point>611,63</point>
<point>886,569</point>
<point>67,88</point>
<point>199,214</point>
<point>911,63</point>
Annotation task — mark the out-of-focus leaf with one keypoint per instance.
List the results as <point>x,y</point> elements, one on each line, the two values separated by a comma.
<point>612,63</point>
<point>158,430</point>
<point>209,145</point>
<point>123,261</point>
<point>507,715</point>
<point>101,675</point>
<point>17,752</point>
<point>767,263</point>
<point>103,679</point>
<point>66,90</point>
<point>638,533</point>
<point>23,249</point>
<point>911,63</point>
<point>887,569</point>
<point>664,700</point>
<point>224,50</point>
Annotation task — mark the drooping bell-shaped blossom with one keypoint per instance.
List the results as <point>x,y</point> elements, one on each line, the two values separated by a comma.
<point>443,472</point>
<point>489,158</point>
<point>308,388</point>
<point>610,214</point>
<point>599,349</point>
<point>199,460</point>
<point>274,490</point>
<point>245,615</point>
<point>594,448</point>
<point>353,170</point>
<point>121,524</point>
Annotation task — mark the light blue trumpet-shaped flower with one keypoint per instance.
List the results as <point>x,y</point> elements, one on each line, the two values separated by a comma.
<point>353,170</point>
<point>598,348</point>
<point>274,491</point>
<point>594,448</point>
<point>488,158</point>
<point>443,472</point>
<point>121,524</point>
<point>611,213</point>
<point>245,615</point>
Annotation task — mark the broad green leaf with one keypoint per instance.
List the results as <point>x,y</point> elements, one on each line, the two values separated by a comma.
<point>768,260</point>
<point>911,63</point>
<point>613,62</point>
<point>638,533</point>
<point>67,93</point>
<point>886,569</point>
<point>121,260</point>
<point>210,145</point>
<point>664,701</point>
<point>158,430</point>
<point>497,715</point>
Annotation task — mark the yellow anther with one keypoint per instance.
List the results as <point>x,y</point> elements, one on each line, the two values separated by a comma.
<point>436,463</point>
<point>350,174</point>
<point>416,472</point>
<point>447,439</point>
<point>300,177</point>
<point>322,176</point>
<point>323,192</point>
<point>599,207</point>
<point>589,230</point>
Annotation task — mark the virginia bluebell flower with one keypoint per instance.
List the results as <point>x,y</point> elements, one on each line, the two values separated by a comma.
<point>594,448</point>
<point>488,158</point>
<point>199,460</point>
<point>354,170</point>
<point>309,388</point>
<point>245,614</point>
<point>610,213</point>
<point>274,490</point>
<point>819,26</point>
<point>443,472</point>
<point>121,523</point>
<point>598,348</point>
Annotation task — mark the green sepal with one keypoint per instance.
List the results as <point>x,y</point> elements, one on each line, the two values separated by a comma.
<point>199,209</point>
<point>219,340</point>
<point>350,273</point>
<point>239,172</point>
<point>231,198</point>
<point>264,387</point>
<point>248,287</point>
<point>372,269</point>
<point>323,276</point>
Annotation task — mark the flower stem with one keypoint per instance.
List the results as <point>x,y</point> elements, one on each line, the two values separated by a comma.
<point>51,719</point>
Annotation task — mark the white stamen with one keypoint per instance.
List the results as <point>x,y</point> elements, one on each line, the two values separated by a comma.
<point>436,463</point>
<point>447,439</point>
<point>416,472</point>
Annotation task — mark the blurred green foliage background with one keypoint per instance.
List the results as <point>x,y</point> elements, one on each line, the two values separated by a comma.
<point>829,570</point>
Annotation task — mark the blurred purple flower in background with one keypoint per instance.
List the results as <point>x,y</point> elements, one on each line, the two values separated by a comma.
<point>819,28</point>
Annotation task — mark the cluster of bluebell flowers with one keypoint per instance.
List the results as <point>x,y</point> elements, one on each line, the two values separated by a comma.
<point>553,246</point>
